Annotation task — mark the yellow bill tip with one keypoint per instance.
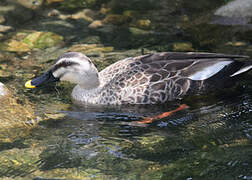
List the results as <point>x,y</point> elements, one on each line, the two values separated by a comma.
<point>28,84</point>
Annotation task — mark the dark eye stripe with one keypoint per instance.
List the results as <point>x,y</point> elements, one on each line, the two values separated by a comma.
<point>64,64</point>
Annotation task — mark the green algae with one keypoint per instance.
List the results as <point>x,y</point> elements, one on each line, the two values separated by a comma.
<point>38,141</point>
<point>42,40</point>
<point>25,41</point>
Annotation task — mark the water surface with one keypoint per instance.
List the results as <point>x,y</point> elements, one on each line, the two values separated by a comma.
<point>45,136</point>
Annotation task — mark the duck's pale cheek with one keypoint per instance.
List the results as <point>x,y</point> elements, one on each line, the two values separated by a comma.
<point>71,77</point>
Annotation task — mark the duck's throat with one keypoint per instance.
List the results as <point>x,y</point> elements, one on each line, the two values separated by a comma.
<point>88,96</point>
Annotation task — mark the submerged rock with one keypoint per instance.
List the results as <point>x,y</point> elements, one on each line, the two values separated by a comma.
<point>224,20</point>
<point>15,13</point>
<point>5,28</point>
<point>104,10</point>
<point>236,8</point>
<point>53,13</point>
<point>137,31</point>
<point>116,19</point>
<point>183,46</point>
<point>130,13</point>
<point>2,19</point>
<point>234,13</point>
<point>72,5</point>
<point>82,47</point>
<point>3,90</point>
<point>143,23</point>
<point>42,40</point>
<point>15,119</point>
<point>26,41</point>
<point>86,14</point>
<point>31,4</point>
<point>236,43</point>
<point>95,24</point>
<point>53,1</point>
<point>90,48</point>
<point>15,46</point>
<point>91,40</point>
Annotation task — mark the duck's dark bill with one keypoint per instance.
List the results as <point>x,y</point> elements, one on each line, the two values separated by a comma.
<point>41,80</point>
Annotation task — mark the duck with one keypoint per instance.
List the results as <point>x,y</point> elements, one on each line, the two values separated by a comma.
<point>147,79</point>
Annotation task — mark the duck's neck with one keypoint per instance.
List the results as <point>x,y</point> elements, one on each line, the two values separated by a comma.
<point>91,82</point>
<point>88,96</point>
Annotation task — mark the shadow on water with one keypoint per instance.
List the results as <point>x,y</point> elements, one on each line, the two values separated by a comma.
<point>15,144</point>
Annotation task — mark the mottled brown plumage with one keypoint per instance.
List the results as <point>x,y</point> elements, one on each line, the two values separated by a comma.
<point>157,78</point>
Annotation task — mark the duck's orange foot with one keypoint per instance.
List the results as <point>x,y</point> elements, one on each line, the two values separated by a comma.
<point>147,120</point>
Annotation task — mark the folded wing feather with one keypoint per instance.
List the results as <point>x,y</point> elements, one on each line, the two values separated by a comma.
<point>208,71</point>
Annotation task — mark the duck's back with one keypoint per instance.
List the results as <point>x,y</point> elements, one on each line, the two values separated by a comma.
<point>161,77</point>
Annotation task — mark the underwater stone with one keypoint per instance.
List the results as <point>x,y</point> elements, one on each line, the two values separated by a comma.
<point>42,40</point>
<point>95,24</point>
<point>53,1</point>
<point>116,19</point>
<point>182,46</point>
<point>31,4</point>
<point>86,14</point>
<point>82,47</point>
<point>236,8</point>
<point>143,23</point>
<point>16,13</point>
<point>14,46</point>
<point>90,48</point>
<point>4,28</point>
<point>3,90</point>
<point>53,13</point>
<point>105,10</point>
<point>91,40</point>
<point>27,40</point>
<point>130,13</point>
<point>137,31</point>
<point>2,19</point>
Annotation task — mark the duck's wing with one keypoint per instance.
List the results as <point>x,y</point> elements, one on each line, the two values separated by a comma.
<point>197,66</point>
<point>186,55</point>
<point>156,78</point>
<point>168,61</point>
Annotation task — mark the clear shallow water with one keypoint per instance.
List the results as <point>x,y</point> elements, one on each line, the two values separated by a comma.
<point>59,140</point>
<point>206,142</point>
<point>212,141</point>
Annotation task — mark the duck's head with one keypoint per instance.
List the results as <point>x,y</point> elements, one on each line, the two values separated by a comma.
<point>74,67</point>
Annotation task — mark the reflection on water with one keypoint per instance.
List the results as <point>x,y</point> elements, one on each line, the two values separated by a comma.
<point>44,136</point>
<point>207,142</point>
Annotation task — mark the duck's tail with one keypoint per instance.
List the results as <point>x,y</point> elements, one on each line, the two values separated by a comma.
<point>247,66</point>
